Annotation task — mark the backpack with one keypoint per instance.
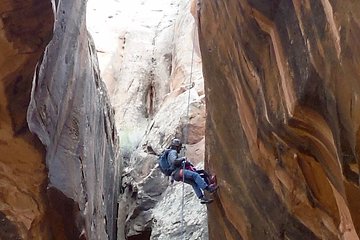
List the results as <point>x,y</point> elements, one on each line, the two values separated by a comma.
<point>164,165</point>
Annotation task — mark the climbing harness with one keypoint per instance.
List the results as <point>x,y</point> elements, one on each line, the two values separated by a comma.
<point>186,134</point>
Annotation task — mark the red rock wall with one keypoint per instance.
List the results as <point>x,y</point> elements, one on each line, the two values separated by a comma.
<point>282,89</point>
<point>67,189</point>
<point>25,30</point>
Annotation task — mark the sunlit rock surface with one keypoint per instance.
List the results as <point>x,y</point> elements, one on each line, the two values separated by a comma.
<point>282,93</point>
<point>25,30</point>
<point>145,54</point>
<point>134,42</point>
<point>175,217</point>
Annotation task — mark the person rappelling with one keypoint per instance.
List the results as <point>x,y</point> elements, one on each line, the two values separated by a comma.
<point>182,170</point>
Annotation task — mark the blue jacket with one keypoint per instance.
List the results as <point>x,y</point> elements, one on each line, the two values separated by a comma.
<point>175,160</point>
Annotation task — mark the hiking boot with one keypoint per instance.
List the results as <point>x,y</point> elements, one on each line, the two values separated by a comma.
<point>204,200</point>
<point>212,188</point>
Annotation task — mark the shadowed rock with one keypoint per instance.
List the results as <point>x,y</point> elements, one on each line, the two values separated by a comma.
<point>25,30</point>
<point>282,126</point>
<point>71,114</point>
<point>68,189</point>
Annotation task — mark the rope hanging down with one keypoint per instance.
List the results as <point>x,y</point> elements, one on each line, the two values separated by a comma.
<point>186,133</point>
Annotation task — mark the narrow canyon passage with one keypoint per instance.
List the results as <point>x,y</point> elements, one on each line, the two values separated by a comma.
<point>92,92</point>
<point>145,51</point>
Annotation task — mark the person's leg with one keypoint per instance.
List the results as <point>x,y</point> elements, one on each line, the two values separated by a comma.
<point>198,192</point>
<point>204,175</point>
<point>198,184</point>
<point>209,179</point>
<point>196,188</point>
<point>190,175</point>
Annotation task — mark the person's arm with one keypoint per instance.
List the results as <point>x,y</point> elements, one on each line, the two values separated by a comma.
<point>174,159</point>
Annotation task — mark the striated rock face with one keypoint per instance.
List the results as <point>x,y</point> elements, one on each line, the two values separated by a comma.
<point>22,168</point>
<point>68,189</point>
<point>282,95</point>
<point>71,114</point>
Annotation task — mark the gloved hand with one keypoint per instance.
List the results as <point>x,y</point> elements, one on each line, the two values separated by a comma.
<point>179,162</point>
<point>183,161</point>
<point>188,163</point>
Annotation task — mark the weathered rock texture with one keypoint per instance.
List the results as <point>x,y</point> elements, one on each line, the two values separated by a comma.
<point>22,167</point>
<point>70,113</point>
<point>147,70</point>
<point>68,189</point>
<point>282,96</point>
<point>140,60</point>
<point>167,221</point>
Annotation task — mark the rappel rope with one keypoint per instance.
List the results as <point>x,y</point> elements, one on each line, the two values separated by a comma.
<point>186,133</point>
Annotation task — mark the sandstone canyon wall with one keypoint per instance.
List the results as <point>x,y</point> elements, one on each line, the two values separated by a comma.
<point>282,95</point>
<point>66,187</point>
<point>22,167</point>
